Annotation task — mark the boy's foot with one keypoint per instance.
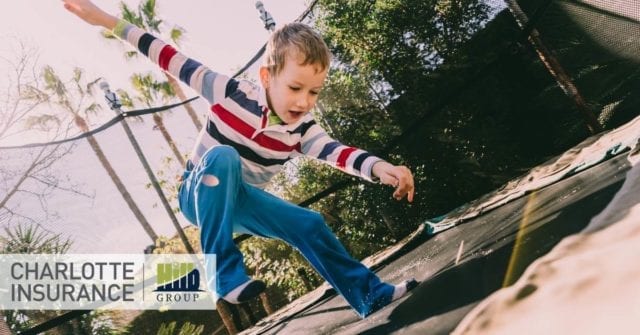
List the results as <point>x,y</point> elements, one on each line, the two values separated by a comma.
<point>245,292</point>
<point>404,287</point>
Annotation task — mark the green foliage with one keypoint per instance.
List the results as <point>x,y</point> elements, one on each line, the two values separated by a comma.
<point>73,96</point>
<point>43,122</point>
<point>131,15</point>
<point>397,40</point>
<point>174,245</point>
<point>146,17</point>
<point>32,239</point>
<point>176,34</point>
<point>192,322</point>
<point>149,90</point>
<point>187,329</point>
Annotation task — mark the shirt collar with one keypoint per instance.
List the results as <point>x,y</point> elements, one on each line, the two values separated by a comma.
<point>272,116</point>
<point>273,119</point>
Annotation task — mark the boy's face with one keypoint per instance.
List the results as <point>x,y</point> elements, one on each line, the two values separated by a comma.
<point>294,91</point>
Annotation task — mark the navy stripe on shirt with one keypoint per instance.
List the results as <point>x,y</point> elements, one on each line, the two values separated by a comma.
<point>302,129</point>
<point>188,69</point>
<point>232,86</point>
<point>248,104</point>
<point>357,164</point>
<point>328,149</point>
<point>244,151</point>
<point>145,42</point>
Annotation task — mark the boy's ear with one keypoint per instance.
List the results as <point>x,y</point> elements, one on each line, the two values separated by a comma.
<point>265,76</point>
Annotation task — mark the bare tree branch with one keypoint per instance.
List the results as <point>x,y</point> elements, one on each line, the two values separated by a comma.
<point>29,174</point>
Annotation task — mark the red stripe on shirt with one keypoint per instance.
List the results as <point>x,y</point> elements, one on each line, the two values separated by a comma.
<point>273,144</point>
<point>165,56</point>
<point>247,131</point>
<point>344,155</point>
<point>233,121</point>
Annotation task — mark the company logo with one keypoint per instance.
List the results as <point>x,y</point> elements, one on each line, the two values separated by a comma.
<point>177,282</point>
<point>107,281</point>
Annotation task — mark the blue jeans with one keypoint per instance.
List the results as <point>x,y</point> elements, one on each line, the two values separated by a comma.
<point>214,197</point>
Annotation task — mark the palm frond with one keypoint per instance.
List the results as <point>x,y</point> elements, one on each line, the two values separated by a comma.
<point>30,239</point>
<point>148,11</point>
<point>130,54</point>
<point>131,16</point>
<point>42,122</point>
<point>91,84</point>
<point>176,34</point>
<point>33,93</point>
<point>92,109</point>
<point>125,98</point>
<point>53,82</point>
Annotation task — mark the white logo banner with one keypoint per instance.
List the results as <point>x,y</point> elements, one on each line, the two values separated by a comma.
<point>106,281</point>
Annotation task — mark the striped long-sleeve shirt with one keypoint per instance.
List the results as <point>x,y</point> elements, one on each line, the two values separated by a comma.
<point>239,117</point>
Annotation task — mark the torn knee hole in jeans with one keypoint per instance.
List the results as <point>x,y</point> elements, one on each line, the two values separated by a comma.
<point>210,180</point>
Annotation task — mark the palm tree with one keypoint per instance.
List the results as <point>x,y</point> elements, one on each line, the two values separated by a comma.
<point>148,90</point>
<point>146,18</point>
<point>75,98</point>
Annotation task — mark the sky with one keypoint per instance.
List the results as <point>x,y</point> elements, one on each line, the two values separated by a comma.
<point>221,34</point>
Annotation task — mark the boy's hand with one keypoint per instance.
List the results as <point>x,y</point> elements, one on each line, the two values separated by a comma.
<point>399,177</point>
<point>90,13</point>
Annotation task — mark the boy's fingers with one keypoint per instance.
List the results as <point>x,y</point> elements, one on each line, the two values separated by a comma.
<point>400,191</point>
<point>405,192</point>
<point>389,179</point>
<point>402,180</point>
<point>405,187</point>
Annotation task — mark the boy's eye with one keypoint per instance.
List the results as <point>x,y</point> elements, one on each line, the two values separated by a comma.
<point>294,88</point>
<point>314,92</point>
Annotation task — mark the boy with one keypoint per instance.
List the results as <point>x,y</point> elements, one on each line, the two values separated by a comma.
<point>251,132</point>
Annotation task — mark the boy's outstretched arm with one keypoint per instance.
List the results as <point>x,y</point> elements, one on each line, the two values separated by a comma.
<point>316,143</point>
<point>91,13</point>
<point>210,85</point>
<point>399,177</point>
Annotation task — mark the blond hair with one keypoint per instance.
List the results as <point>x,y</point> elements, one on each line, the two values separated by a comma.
<point>299,38</point>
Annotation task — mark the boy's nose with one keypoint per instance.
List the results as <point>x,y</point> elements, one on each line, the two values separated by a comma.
<point>303,103</point>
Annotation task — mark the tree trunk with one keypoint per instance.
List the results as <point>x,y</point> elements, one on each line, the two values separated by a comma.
<point>4,327</point>
<point>266,303</point>
<point>229,319</point>
<point>82,125</point>
<point>156,186</point>
<point>178,90</point>
<point>555,68</point>
<point>157,119</point>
